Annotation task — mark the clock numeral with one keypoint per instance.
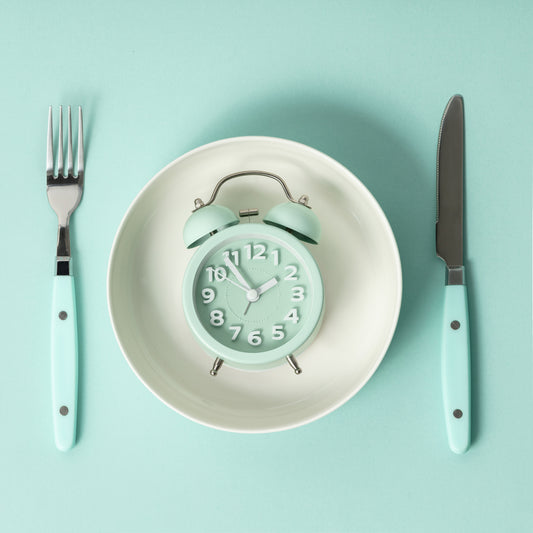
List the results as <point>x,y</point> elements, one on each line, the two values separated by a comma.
<point>275,256</point>
<point>236,330</point>
<point>234,256</point>
<point>216,317</point>
<point>291,276</point>
<point>292,316</point>
<point>254,338</point>
<point>277,332</point>
<point>216,274</point>
<point>297,294</point>
<point>258,251</point>
<point>208,295</point>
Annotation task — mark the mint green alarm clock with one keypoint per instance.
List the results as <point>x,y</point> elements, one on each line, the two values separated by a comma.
<point>252,293</point>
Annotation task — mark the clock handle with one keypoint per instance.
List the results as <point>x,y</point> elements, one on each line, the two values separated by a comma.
<point>199,203</point>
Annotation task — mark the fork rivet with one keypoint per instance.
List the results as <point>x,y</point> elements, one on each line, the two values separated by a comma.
<point>63,315</point>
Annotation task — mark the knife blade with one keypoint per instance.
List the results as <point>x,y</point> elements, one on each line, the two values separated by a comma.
<point>455,351</point>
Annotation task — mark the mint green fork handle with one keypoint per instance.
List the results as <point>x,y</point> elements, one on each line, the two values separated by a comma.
<point>456,368</point>
<point>64,346</point>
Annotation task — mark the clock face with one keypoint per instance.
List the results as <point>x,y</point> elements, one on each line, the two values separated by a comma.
<point>256,292</point>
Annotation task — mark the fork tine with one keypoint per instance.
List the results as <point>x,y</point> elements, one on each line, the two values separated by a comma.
<point>60,145</point>
<point>50,147</point>
<point>70,164</point>
<point>80,144</point>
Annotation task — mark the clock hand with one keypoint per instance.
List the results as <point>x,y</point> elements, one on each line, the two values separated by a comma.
<point>266,286</point>
<point>237,274</point>
<point>253,294</point>
<point>236,284</point>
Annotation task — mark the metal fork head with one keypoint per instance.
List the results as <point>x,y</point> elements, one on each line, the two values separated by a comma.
<point>50,178</point>
<point>64,190</point>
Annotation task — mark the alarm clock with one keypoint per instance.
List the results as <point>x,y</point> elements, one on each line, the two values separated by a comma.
<point>252,293</point>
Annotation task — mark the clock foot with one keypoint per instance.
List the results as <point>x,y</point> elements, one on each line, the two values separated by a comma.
<point>216,366</point>
<point>294,365</point>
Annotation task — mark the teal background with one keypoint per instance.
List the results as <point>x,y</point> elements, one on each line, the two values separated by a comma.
<point>366,82</point>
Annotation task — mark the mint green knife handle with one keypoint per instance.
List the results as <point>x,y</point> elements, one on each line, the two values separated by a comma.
<point>456,368</point>
<point>64,362</point>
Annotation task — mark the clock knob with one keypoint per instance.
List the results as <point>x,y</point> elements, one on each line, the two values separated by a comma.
<point>297,219</point>
<point>205,221</point>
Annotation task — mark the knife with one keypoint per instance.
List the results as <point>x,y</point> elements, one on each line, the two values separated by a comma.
<point>455,355</point>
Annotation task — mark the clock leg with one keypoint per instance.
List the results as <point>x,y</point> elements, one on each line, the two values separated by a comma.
<point>294,365</point>
<point>216,366</point>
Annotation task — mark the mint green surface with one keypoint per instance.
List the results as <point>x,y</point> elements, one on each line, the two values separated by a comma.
<point>456,367</point>
<point>64,361</point>
<point>260,253</point>
<point>365,82</point>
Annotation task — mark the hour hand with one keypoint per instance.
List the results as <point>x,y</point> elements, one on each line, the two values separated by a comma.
<point>237,274</point>
<point>266,286</point>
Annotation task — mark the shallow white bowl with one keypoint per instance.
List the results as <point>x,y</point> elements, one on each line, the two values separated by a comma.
<point>357,256</point>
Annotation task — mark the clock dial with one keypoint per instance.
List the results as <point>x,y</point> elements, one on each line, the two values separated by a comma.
<point>252,294</point>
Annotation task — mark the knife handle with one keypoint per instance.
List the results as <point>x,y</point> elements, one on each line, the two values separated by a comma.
<point>456,367</point>
<point>64,347</point>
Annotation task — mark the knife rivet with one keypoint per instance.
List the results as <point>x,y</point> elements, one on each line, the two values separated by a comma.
<point>455,324</point>
<point>63,410</point>
<point>63,315</point>
<point>458,413</point>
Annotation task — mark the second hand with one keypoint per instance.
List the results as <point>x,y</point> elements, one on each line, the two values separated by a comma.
<point>237,285</point>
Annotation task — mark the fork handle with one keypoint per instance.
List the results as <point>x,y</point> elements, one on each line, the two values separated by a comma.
<point>64,347</point>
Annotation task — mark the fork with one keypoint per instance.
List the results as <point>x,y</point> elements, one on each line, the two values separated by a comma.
<point>64,194</point>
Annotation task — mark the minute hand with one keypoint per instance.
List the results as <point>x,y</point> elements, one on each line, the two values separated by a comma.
<point>236,273</point>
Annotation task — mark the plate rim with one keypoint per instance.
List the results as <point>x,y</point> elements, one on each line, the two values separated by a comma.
<point>397,270</point>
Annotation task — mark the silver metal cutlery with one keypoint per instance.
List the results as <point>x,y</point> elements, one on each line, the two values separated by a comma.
<point>64,192</point>
<point>449,244</point>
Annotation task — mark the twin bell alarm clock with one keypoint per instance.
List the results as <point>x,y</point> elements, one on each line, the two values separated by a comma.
<point>252,293</point>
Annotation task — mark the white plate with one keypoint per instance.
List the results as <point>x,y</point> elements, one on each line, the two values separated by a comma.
<point>357,256</point>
